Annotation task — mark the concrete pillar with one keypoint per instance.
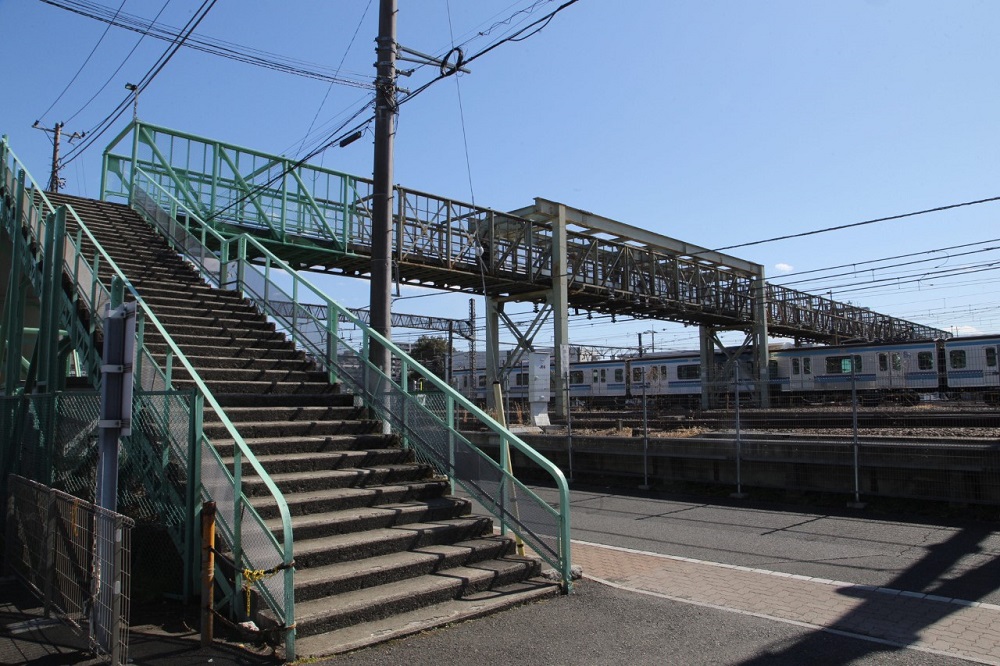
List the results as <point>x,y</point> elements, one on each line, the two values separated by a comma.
<point>559,301</point>
<point>493,307</point>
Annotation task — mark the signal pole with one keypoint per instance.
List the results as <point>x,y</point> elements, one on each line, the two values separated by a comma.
<point>385,129</point>
<point>54,180</point>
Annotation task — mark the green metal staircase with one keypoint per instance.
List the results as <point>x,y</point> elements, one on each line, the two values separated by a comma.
<point>291,430</point>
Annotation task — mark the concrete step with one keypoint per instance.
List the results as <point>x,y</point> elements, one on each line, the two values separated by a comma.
<point>287,463</point>
<point>192,350</point>
<point>281,375</point>
<point>330,499</point>
<point>330,397</point>
<point>261,387</point>
<point>294,413</point>
<point>296,482</point>
<point>319,615</point>
<point>341,577</point>
<point>263,446</point>
<point>280,429</point>
<point>373,543</point>
<point>413,622</point>
<point>364,519</point>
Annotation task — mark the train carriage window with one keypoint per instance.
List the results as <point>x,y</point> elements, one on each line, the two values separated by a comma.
<point>991,357</point>
<point>883,362</point>
<point>663,371</point>
<point>465,382</point>
<point>636,374</point>
<point>521,379</point>
<point>807,366</point>
<point>897,361</point>
<point>482,381</point>
<point>795,367</point>
<point>619,374</point>
<point>925,361</point>
<point>841,365</point>
<point>576,376</point>
<point>688,372</point>
<point>956,358</point>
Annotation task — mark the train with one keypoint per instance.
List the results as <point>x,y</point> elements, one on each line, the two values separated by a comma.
<point>900,372</point>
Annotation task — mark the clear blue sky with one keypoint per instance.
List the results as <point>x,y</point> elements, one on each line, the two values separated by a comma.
<point>713,122</point>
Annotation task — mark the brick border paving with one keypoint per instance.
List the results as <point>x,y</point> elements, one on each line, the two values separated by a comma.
<point>929,623</point>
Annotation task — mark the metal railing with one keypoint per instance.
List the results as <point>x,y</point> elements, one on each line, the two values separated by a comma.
<point>429,422</point>
<point>75,557</point>
<point>242,530</point>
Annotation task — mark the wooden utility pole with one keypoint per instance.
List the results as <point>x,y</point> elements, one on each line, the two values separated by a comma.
<point>54,181</point>
<point>385,129</point>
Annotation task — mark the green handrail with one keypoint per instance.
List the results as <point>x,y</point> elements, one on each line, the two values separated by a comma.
<point>86,276</point>
<point>194,238</point>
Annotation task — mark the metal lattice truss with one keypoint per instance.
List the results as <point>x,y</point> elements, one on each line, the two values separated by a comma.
<point>461,327</point>
<point>317,219</point>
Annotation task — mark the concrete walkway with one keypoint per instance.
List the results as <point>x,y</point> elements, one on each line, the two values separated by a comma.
<point>937,625</point>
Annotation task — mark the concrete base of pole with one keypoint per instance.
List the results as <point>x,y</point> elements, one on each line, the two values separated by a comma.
<point>857,505</point>
<point>739,495</point>
<point>645,487</point>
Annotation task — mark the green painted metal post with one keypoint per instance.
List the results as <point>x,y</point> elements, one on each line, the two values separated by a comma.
<point>14,304</point>
<point>193,490</point>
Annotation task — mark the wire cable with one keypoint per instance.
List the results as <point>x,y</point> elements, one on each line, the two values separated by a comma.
<point>148,78</point>
<point>83,64</point>
<point>142,36</point>
<point>861,224</point>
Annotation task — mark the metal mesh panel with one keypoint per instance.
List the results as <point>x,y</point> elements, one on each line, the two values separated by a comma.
<point>75,557</point>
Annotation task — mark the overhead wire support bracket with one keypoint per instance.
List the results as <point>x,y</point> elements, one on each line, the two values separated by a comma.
<point>445,64</point>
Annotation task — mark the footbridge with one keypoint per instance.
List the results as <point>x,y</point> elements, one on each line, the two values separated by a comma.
<point>549,253</point>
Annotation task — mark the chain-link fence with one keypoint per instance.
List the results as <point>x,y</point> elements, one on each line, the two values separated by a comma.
<point>52,439</point>
<point>75,557</point>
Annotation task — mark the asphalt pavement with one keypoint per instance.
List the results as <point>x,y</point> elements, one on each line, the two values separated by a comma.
<point>672,580</point>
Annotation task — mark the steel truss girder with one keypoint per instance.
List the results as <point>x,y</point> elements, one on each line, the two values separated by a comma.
<point>440,242</point>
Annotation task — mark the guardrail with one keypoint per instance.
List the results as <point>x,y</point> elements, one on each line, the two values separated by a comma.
<point>253,546</point>
<point>429,422</point>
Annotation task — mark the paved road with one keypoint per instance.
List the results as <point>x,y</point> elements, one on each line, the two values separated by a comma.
<point>697,583</point>
<point>601,625</point>
<point>947,560</point>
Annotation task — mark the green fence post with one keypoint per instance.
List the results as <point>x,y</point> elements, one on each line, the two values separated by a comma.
<point>193,498</point>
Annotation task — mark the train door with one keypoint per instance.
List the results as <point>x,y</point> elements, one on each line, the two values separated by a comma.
<point>600,381</point>
<point>991,372</point>
<point>800,373</point>
<point>890,372</point>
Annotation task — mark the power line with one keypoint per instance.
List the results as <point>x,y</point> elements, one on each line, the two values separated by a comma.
<point>209,45</point>
<point>860,224</point>
<point>83,64</point>
<point>120,65</point>
<point>873,261</point>
<point>339,67</point>
<point>148,78</point>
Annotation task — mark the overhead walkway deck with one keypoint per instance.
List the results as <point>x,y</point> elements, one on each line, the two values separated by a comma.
<point>318,219</point>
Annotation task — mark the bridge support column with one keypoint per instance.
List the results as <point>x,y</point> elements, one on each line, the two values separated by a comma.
<point>759,335</point>
<point>493,307</point>
<point>706,345</point>
<point>559,301</point>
